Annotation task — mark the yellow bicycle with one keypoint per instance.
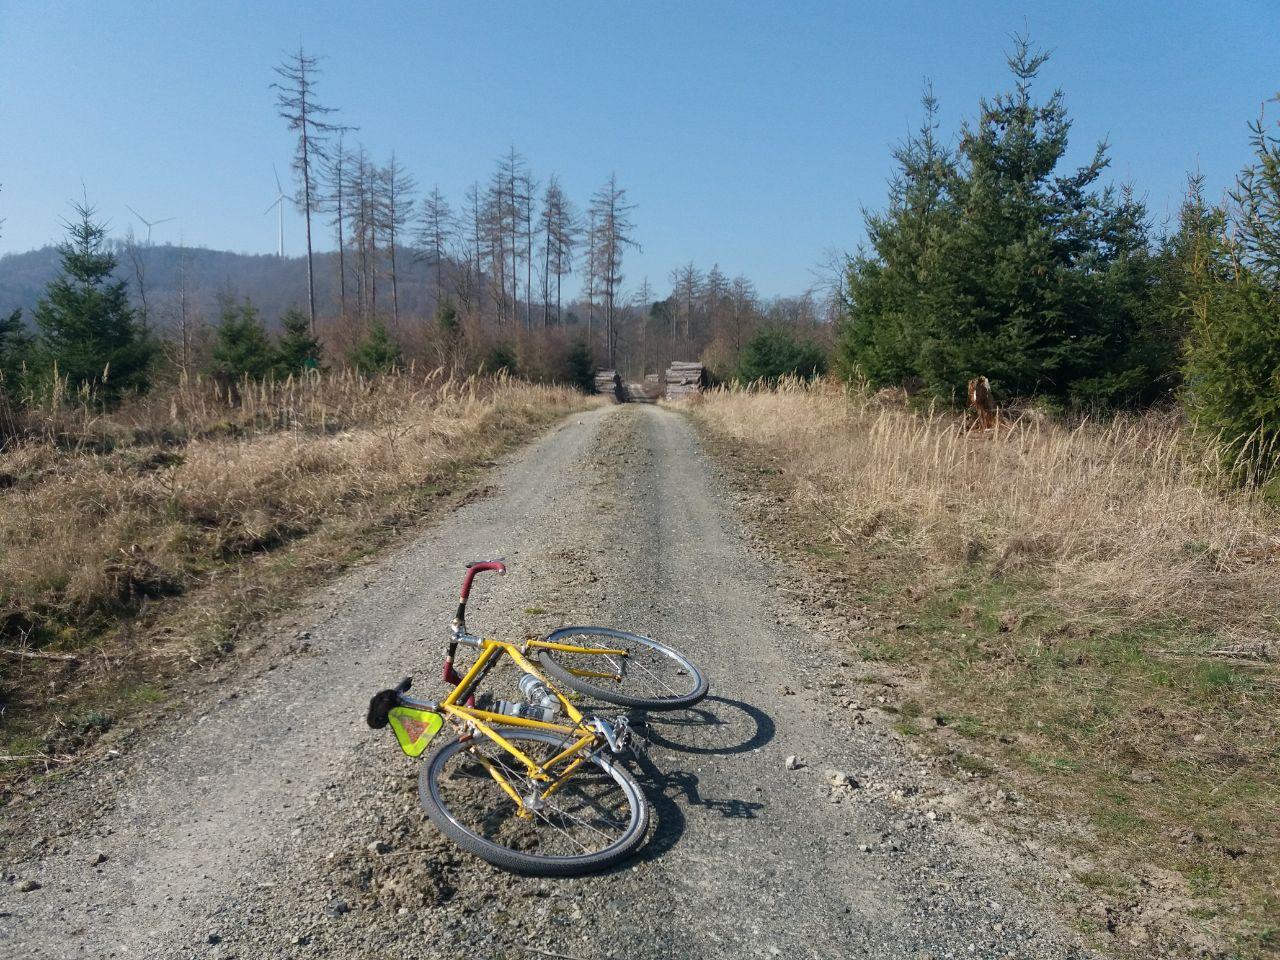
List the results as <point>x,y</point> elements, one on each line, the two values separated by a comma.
<point>535,784</point>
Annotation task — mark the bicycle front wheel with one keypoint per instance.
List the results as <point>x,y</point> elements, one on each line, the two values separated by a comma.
<point>596,818</point>
<point>647,676</point>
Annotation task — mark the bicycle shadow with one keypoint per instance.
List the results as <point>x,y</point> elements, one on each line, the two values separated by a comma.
<point>716,726</point>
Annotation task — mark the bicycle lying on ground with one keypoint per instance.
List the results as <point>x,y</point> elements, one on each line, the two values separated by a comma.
<point>534,785</point>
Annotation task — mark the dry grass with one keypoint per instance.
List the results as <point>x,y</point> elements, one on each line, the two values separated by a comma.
<point>1088,605</point>
<point>156,534</point>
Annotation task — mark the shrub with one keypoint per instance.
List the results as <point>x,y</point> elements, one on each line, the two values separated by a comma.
<point>377,353</point>
<point>1232,365</point>
<point>243,348</point>
<point>297,350</point>
<point>88,333</point>
<point>580,366</point>
<point>774,352</point>
<point>500,358</point>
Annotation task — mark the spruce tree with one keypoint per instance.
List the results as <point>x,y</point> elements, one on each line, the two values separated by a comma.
<point>297,350</point>
<point>774,352</point>
<point>377,353</point>
<point>1232,365</point>
<point>580,366</point>
<point>996,262</point>
<point>15,354</point>
<point>87,330</point>
<point>243,348</point>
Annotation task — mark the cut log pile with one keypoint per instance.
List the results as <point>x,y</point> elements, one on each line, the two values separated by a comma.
<point>685,379</point>
<point>609,384</point>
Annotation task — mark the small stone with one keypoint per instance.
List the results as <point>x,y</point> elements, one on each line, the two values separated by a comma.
<point>99,858</point>
<point>837,778</point>
<point>793,762</point>
<point>213,938</point>
<point>379,847</point>
<point>26,886</point>
<point>336,908</point>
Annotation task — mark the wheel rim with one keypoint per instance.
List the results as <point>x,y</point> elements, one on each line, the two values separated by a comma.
<point>650,671</point>
<point>594,812</point>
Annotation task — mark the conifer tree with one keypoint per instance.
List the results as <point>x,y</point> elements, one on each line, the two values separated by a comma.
<point>243,348</point>
<point>15,354</point>
<point>996,262</point>
<point>580,366</point>
<point>1232,365</point>
<point>377,352</point>
<point>87,331</point>
<point>297,350</point>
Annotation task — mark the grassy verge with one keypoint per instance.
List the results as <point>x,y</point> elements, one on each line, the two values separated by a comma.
<point>1085,608</point>
<point>136,546</point>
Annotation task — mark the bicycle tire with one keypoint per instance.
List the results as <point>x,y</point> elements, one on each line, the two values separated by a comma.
<point>531,863</point>
<point>697,683</point>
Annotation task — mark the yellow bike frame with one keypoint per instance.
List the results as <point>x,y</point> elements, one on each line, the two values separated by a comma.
<point>483,721</point>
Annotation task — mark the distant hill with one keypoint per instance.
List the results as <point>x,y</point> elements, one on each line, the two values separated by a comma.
<point>274,284</point>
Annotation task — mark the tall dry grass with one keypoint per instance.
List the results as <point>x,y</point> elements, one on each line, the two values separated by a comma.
<point>1090,609</point>
<point>1127,513</point>
<point>101,513</point>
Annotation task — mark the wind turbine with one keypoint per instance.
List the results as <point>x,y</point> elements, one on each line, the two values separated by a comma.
<point>279,208</point>
<point>149,223</point>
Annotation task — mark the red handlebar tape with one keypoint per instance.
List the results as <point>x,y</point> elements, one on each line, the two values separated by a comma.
<point>479,568</point>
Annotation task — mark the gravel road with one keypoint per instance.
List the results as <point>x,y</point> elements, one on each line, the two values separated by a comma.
<point>268,821</point>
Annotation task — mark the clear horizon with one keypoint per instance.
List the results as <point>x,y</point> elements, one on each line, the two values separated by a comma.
<point>749,136</point>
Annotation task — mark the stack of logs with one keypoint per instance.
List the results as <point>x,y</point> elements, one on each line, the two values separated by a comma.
<point>609,384</point>
<point>685,379</point>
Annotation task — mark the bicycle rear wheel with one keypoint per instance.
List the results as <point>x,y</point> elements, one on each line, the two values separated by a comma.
<point>594,820</point>
<point>651,676</point>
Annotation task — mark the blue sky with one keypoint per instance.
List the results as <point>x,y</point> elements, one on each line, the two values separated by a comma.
<point>748,134</point>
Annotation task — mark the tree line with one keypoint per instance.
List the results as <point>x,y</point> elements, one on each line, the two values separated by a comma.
<point>993,258</point>
<point>501,258</point>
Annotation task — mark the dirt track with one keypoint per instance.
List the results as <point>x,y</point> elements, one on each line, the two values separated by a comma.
<point>252,829</point>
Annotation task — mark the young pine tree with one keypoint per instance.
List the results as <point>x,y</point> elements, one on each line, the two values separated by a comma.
<point>580,366</point>
<point>86,329</point>
<point>774,353</point>
<point>243,348</point>
<point>15,354</point>
<point>1232,364</point>
<point>377,353</point>
<point>998,262</point>
<point>297,350</point>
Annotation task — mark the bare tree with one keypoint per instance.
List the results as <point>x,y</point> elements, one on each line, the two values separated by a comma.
<point>137,261</point>
<point>394,210</point>
<point>613,236</point>
<point>500,237</point>
<point>296,103</point>
<point>714,291</point>
<point>469,282</point>
<point>362,225</point>
<point>435,231</point>
<point>742,307</point>
<point>510,199</point>
<point>686,285</point>
<point>336,197</point>
<point>643,300</point>
<point>591,281</point>
<point>559,235</point>
<point>527,185</point>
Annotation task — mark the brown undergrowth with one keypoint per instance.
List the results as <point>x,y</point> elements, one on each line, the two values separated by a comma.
<point>136,544</point>
<point>1086,607</point>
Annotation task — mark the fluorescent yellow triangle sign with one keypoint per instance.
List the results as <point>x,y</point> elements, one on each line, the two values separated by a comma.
<point>414,728</point>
